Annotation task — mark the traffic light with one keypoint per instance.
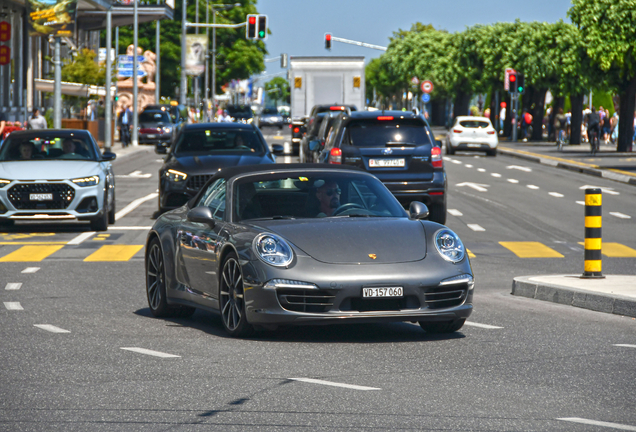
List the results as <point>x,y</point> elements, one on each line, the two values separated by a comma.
<point>520,84</point>
<point>250,30</point>
<point>328,41</point>
<point>283,61</point>
<point>512,82</point>
<point>262,27</point>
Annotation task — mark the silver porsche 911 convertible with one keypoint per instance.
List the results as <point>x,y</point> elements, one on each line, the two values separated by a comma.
<point>300,244</point>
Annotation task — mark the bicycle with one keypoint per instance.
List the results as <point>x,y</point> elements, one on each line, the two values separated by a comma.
<point>593,137</point>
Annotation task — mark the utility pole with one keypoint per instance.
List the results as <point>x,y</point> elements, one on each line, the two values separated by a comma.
<point>135,132</point>
<point>108,139</point>
<point>57,86</point>
<point>158,61</point>
<point>213,84</point>
<point>195,78</point>
<point>206,81</point>
<point>184,79</point>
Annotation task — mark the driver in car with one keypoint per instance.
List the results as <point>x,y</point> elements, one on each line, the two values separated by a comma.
<point>27,150</point>
<point>328,195</point>
<point>68,146</point>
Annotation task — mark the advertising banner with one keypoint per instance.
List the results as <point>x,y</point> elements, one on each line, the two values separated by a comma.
<point>51,17</point>
<point>196,49</point>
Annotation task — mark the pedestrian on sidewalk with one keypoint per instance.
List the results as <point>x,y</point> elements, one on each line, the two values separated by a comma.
<point>37,120</point>
<point>125,120</point>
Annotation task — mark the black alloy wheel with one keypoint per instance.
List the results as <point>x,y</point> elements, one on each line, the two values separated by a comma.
<point>232,304</point>
<point>442,327</point>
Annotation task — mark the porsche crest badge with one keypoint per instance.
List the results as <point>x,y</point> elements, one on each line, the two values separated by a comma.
<point>373,256</point>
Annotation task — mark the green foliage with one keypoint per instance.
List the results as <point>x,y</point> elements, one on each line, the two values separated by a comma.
<point>277,89</point>
<point>83,69</point>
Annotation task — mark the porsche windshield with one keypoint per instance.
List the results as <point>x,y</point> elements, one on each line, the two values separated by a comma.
<point>331,194</point>
<point>48,147</point>
<point>210,141</point>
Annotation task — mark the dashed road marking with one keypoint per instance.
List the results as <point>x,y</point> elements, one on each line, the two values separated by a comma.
<point>556,194</point>
<point>476,227</point>
<point>484,326</point>
<point>13,306</point>
<point>616,250</point>
<point>30,253</point>
<point>150,352</point>
<point>620,215</point>
<point>513,181</point>
<point>598,423</point>
<point>625,345</point>
<point>532,187</point>
<point>610,191</point>
<point>495,175</point>
<point>481,170</point>
<point>30,269</point>
<point>580,203</point>
<point>114,253</point>
<point>520,168</point>
<point>468,166</point>
<point>13,286</point>
<point>51,328</point>
<point>455,212</point>
<point>80,238</point>
<point>133,205</point>
<point>334,384</point>
<point>129,228</point>
<point>531,250</point>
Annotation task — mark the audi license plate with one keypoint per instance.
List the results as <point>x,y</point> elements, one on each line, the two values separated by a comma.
<point>151,136</point>
<point>41,197</point>
<point>383,292</point>
<point>380,163</point>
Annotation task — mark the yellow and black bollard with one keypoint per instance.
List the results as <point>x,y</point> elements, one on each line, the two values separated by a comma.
<point>593,220</point>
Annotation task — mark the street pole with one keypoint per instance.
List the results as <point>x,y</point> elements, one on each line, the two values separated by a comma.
<point>206,80</point>
<point>116,55</point>
<point>135,134</point>
<point>184,80</point>
<point>109,64</point>
<point>213,85</point>
<point>158,61</point>
<point>57,86</point>
<point>195,78</point>
<point>515,118</point>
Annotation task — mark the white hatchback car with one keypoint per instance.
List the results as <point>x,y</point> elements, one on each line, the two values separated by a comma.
<point>472,134</point>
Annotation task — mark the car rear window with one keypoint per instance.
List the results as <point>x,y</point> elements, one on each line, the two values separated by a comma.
<point>154,117</point>
<point>474,124</point>
<point>377,133</point>
<point>219,141</point>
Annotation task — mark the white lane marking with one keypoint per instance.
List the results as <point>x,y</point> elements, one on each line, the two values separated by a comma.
<point>80,238</point>
<point>468,166</point>
<point>610,191</point>
<point>580,202</point>
<point>133,205</point>
<point>598,423</point>
<point>334,384</point>
<point>456,162</point>
<point>13,286</point>
<point>485,326</point>
<point>30,269</point>
<point>455,212</point>
<point>620,215</point>
<point>556,194</point>
<point>13,306</point>
<point>51,328</point>
<point>481,169</point>
<point>520,168</point>
<point>513,181</point>
<point>476,227</point>
<point>129,228</point>
<point>135,174</point>
<point>496,175</point>
<point>532,187</point>
<point>477,186</point>
<point>150,352</point>
<point>159,160</point>
<point>625,345</point>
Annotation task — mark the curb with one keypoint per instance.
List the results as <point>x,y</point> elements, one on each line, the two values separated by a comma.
<point>614,304</point>
<point>593,170</point>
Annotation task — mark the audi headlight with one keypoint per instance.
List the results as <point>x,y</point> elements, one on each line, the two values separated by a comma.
<point>176,176</point>
<point>4,182</point>
<point>273,250</point>
<point>86,181</point>
<point>449,246</point>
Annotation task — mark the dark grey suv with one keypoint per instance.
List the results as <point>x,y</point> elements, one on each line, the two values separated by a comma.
<point>398,148</point>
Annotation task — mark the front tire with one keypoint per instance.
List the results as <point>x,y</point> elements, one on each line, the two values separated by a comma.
<point>442,327</point>
<point>232,304</point>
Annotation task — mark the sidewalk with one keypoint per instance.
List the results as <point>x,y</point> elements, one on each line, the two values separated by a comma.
<point>125,151</point>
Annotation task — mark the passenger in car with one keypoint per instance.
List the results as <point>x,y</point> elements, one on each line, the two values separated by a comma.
<point>27,150</point>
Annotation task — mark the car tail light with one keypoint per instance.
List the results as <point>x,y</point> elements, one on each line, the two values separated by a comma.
<point>335,156</point>
<point>337,108</point>
<point>436,157</point>
<point>385,117</point>
<point>296,130</point>
<point>436,193</point>
<point>457,130</point>
<point>490,132</point>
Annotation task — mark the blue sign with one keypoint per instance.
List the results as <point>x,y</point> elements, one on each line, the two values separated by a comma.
<point>426,97</point>
<point>128,73</point>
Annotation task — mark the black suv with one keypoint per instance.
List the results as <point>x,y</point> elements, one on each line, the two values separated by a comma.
<point>398,148</point>
<point>309,125</point>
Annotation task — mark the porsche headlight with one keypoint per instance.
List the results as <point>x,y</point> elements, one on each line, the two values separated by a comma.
<point>449,245</point>
<point>176,176</point>
<point>4,182</point>
<point>86,181</point>
<point>273,250</point>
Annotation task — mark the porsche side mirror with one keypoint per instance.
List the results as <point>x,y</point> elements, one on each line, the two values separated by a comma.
<point>314,145</point>
<point>108,156</point>
<point>278,149</point>
<point>201,214</point>
<point>418,210</point>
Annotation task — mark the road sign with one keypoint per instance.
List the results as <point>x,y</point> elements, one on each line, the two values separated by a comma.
<point>427,86</point>
<point>5,55</point>
<point>415,80</point>
<point>125,66</point>
<point>5,31</point>
<point>426,97</point>
<point>506,78</point>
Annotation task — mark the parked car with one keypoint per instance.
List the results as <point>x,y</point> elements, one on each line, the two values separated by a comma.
<point>200,150</point>
<point>397,147</point>
<point>54,175</point>
<point>280,245</point>
<point>473,134</point>
<point>156,128</point>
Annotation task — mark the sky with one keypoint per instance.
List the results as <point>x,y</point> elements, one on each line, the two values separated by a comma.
<point>298,26</point>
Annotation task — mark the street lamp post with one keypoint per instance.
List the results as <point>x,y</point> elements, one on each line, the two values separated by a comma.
<point>184,79</point>
<point>135,134</point>
<point>213,84</point>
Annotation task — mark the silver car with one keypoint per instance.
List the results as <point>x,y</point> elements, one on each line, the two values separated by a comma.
<point>56,175</point>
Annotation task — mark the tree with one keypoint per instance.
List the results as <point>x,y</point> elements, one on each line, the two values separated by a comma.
<point>278,89</point>
<point>82,69</point>
<point>608,29</point>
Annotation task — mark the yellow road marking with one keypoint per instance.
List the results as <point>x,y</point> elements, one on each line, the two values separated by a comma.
<point>616,250</point>
<point>114,253</point>
<point>470,254</point>
<point>531,250</point>
<point>30,253</point>
<point>22,236</point>
<point>32,243</point>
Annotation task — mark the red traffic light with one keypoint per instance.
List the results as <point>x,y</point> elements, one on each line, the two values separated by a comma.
<point>252,20</point>
<point>512,78</point>
<point>328,37</point>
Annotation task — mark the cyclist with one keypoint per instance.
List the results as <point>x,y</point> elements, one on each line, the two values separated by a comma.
<point>560,125</point>
<point>593,129</point>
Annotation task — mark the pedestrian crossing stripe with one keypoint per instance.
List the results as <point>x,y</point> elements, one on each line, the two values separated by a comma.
<point>531,250</point>
<point>114,253</point>
<point>31,253</point>
<point>616,250</point>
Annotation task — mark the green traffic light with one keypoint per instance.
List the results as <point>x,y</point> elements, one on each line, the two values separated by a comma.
<point>520,89</point>
<point>261,34</point>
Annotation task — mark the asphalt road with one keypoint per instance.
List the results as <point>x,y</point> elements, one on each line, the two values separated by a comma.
<point>81,352</point>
